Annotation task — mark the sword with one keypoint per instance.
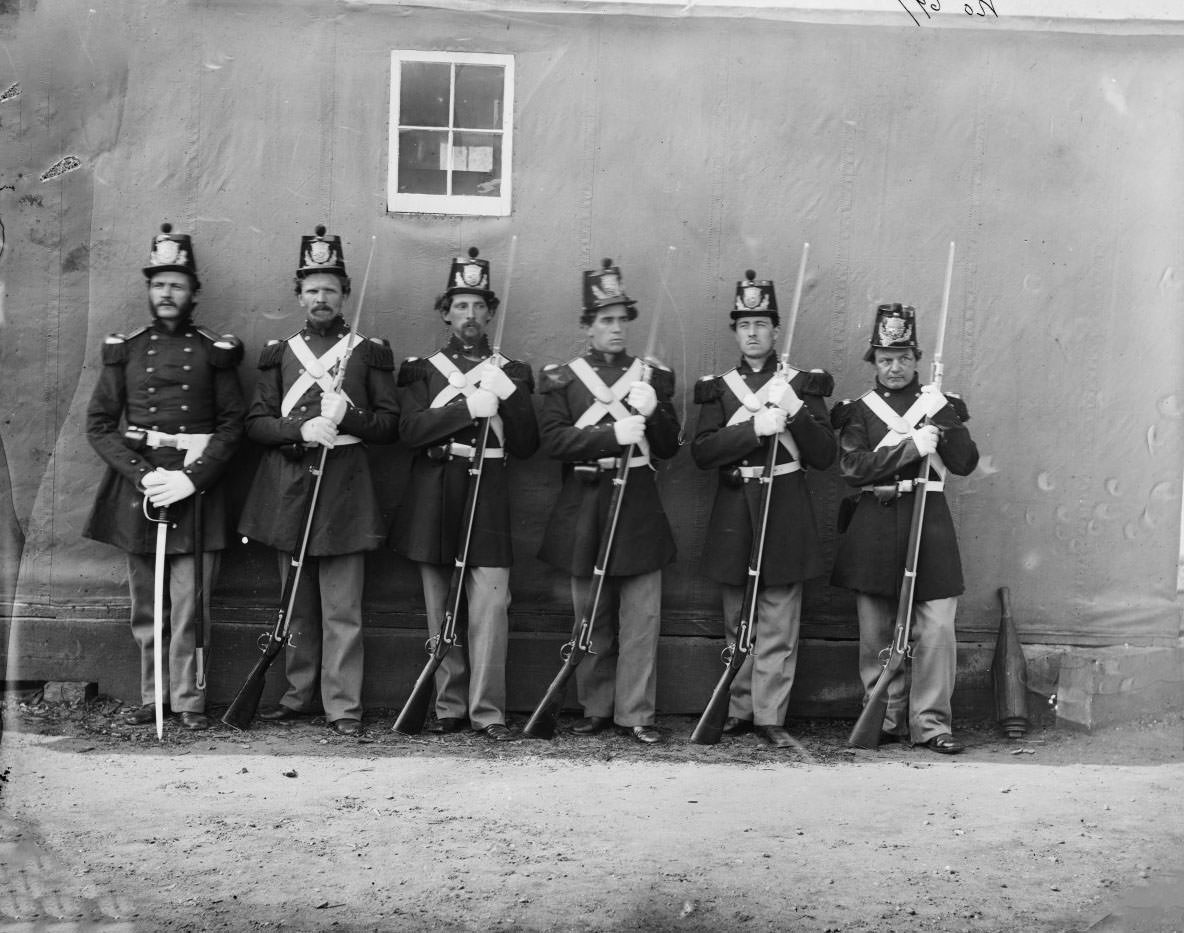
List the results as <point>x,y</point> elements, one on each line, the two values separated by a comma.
<point>162,530</point>
<point>199,592</point>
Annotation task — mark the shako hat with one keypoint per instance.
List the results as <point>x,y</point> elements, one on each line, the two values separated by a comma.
<point>321,253</point>
<point>755,298</point>
<point>469,276</point>
<point>171,252</point>
<point>895,329</point>
<point>602,289</point>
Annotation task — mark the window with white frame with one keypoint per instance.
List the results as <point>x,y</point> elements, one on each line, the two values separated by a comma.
<point>451,128</point>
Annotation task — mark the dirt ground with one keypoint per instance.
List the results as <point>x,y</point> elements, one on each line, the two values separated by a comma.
<point>291,827</point>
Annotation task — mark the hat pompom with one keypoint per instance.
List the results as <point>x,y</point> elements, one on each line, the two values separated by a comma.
<point>473,251</point>
<point>606,263</point>
<point>750,275</point>
<point>166,228</point>
<point>320,229</point>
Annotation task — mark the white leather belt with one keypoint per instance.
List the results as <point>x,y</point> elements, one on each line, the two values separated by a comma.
<point>614,463</point>
<point>179,441</point>
<point>468,451</point>
<point>344,440</point>
<point>904,486</point>
<point>756,472</point>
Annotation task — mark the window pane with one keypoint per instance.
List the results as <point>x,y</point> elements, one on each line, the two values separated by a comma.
<point>423,94</point>
<point>421,170</point>
<point>477,164</point>
<point>479,97</point>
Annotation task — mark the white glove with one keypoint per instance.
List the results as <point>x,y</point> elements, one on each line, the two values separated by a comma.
<point>319,431</point>
<point>926,438</point>
<point>929,388</point>
<point>782,394</point>
<point>769,421</point>
<point>164,487</point>
<point>482,404</point>
<point>629,430</point>
<point>333,406</point>
<point>498,383</point>
<point>642,398</point>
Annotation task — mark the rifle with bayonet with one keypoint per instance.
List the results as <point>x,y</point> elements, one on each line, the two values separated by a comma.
<point>545,717</point>
<point>242,708</point>
<point>866,733</point>
<point>415,710</point>
<point>711,723</point>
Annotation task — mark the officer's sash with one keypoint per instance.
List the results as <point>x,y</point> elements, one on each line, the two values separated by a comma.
<point>752,402</point>
<point>465,384</point>
<point>316,370</point>
<point>607,401</point>
<point>901,426</point>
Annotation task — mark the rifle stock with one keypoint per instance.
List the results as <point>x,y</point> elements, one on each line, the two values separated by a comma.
<point>545,718</point>
<point>710,727</point>
<point>242,708</point>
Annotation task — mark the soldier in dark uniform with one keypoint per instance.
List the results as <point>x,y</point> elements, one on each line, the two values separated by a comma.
<point>740,411</point>
<point>585,423</point>
<point>440,399</point>
<point>295,413</point>
<point>883,438</point>
<point>166,416</point>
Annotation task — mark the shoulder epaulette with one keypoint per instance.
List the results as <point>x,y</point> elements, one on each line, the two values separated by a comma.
<point>841,414</point>
<point>226,351</point>
<point>663,382</point>
<point>521,372</point>
<point>708,389</point>
<point>554,376</point>
<point>958,405</point>
<point>413,369</point>
<point>115,350</point>
<point>271,354</point>
<point>377,354</point>
<point>818,382</point>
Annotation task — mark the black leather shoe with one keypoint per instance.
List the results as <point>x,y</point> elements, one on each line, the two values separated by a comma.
<point>498,732</point>
<point>446,725</point>
<point>945,744</point>
<point>350,727</point>
<point>195,722</point>
<point>733,725</point>
<point>281,714</point>
<point>590,725</point>
<point>140,716</point>
<point>646,735</point>
<point>776,736</point>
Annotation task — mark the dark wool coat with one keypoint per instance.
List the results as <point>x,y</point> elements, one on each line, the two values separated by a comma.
<point>872,552</point>
<point>792,548</point>
<point>428,522</point>
<point>176,383</point>
<point>347,517</point>
<point>644,541</point>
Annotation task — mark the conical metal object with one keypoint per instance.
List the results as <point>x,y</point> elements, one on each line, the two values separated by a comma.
<point>1009,673</point>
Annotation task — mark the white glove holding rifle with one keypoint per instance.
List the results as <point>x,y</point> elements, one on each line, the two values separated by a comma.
<point>164,487</point>
<point>482,404</point>
<point>769,421</point>
<point>642,398</point>
<point>319,431</point>
<point>926,438</point>
<point>333,406</point>
<point>629,430</point>
<point>498,383</point>
<point>781,394</point>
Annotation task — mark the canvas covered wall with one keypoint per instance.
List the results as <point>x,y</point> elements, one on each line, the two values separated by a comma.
<point>1051,157</point>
